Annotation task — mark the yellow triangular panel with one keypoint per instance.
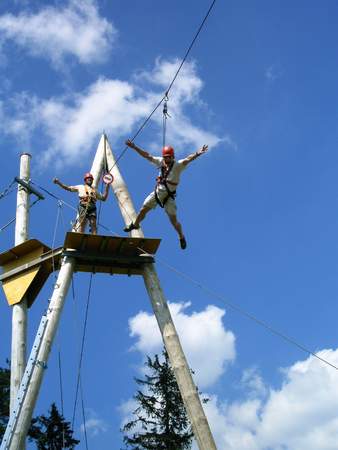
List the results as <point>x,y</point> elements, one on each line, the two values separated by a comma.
<point>16,287</point>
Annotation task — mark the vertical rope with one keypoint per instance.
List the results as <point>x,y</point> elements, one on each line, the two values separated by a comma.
<point>82,347</point>
<point>165,116</point>
<point>83,415</point>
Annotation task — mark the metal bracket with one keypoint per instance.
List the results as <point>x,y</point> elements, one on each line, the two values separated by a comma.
<point>29,187</point>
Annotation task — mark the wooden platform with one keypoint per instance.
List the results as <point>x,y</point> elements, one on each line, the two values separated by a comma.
<point>27,266</point>
<point>109,254</point>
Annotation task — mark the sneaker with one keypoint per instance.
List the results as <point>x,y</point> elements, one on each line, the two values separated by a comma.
<point>131,227</point>
<point>183,243</point>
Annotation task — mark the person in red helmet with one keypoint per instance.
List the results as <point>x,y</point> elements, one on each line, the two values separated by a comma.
<point>88,195</point>
<point>166,184</point>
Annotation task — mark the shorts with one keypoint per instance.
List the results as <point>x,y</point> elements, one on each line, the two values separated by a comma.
<point>87,211</point>
<point>170,204</point>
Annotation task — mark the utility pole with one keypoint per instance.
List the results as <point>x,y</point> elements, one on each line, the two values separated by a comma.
<point>19,311</point>
<point>170,337</point>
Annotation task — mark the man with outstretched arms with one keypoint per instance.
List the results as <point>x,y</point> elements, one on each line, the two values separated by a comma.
<point>88,196</point>
<point>166,184</point>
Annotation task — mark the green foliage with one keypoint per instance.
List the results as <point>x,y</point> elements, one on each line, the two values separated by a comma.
<point>49,433</point>
<point>5,377</point>
<point>161,422</point>
<point>52,432</point>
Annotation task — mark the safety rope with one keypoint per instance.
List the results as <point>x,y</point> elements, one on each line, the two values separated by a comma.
<point>166,94</point>
<point>82,345</point>
<point>232,305</point>
<point>79,378</point>
<point>83,415</point>
<point>8,190</point>
<point>14,218</point>
<point>228,303</point>
<point>59,199</point>
<point>165,117</point>
<point>244,313</point>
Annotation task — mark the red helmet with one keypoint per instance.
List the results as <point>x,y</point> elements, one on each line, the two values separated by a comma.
<point>168,151</point>
<point>88,175</point>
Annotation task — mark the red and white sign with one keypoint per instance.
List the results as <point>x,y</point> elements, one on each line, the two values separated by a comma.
<point>108,178</point>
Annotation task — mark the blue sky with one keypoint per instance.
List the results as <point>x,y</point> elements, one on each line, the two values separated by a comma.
<point>259,210</point>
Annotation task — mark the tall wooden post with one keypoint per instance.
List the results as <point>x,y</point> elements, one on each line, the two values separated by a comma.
<point>53,316</point>
<point>170,337</point>
<point>19,311</point>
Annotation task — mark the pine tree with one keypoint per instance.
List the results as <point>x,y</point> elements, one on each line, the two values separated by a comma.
<point>49,433</point>
<point>5,376</point>
<point>161,422</point>
<point>52,432</point>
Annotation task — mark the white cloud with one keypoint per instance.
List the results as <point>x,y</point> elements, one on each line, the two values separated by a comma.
<point>54,33</point>
<point>73,122</point>
<point>94,425</point>
<point>208,345</point>
<point>184,93</point>
<point>301,414</point>
<point>272,73</point>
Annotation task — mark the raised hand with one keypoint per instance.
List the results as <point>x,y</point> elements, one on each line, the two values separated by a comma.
<point>130,144</point>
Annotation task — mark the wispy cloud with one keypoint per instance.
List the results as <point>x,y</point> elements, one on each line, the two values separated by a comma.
<point>73,122</point>
<point>94,425</point>
<point>57,32</point>
<point>272,73</point>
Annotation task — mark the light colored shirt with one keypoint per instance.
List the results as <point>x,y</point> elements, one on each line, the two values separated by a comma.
<point>86,191</point>
<point>175,172</point>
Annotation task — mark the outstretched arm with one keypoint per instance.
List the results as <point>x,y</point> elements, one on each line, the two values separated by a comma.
<point>64,186</point>
<point>195,155</point>
<point>104,196</point>
<point>139,150</point>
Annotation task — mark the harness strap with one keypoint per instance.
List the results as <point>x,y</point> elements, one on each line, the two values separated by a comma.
<point>162,179</point>
<point>89,198</point>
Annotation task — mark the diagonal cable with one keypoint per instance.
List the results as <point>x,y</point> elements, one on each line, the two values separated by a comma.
<point>165,96</point>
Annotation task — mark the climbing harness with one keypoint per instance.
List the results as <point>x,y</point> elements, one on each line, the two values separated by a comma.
<point>162,179</point>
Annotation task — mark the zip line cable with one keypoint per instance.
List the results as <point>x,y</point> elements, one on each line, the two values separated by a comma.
<point>54,196</point>
<point>56,226</point>
<point>14,218</point>
<point>236,308</point>
<point>82,348</point>
<point>83,415</point>
<point>191,46</point>
<point>165,117</point>
<point>79,375</point>
<point>165,96</point>
<point>243,312</point>
<point>8,190</point>
<point>62,202</point>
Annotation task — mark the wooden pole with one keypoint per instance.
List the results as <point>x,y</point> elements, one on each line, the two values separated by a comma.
<point>170,337</point>
<point>53,316</point>
<point>19,311</point>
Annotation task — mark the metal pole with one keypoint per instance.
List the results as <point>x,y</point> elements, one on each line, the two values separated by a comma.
<point>53,317</point>
<point>171,340</point>
<point>19,311</point>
